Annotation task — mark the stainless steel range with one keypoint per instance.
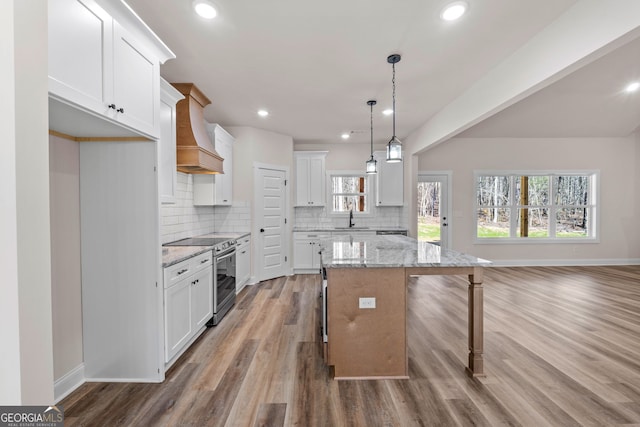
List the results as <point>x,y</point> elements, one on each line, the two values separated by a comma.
<point>224,272</point>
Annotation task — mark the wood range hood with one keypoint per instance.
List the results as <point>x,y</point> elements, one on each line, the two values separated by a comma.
<point>195,151</point>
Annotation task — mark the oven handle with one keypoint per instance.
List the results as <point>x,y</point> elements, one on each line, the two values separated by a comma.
<point>225,255</point>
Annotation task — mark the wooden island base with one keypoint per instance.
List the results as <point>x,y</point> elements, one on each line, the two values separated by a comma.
<point>371,343</point>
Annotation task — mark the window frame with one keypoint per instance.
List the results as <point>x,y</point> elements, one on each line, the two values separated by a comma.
<point>368,194</point>
<point>593,226</point>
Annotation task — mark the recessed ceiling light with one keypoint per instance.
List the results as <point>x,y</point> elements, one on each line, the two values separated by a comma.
<point>345,136</point>
<point>454,10</point>
<point>632,87</point>
<point>388,112</point>
<point>263,113</point>
<point>205,9</point>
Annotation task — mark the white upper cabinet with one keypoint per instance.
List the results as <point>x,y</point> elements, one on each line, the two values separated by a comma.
<point>389,181</point>
<point>169,96</point>
<point>80,52</point>
<point>216,190</point>
<point>97,65</point>
<point>223,143</point>
<point>310,178</point>
<point>136,83</point>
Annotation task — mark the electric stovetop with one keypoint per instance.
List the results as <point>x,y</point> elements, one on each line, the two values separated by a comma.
<point>198,241</point>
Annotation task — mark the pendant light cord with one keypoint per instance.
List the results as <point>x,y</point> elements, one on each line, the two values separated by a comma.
<point>393,81</point>
<point>371,105</point>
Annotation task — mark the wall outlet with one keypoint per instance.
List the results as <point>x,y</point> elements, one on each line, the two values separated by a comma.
<point>367,302</point>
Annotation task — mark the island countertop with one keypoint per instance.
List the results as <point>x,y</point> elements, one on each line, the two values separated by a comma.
<point>391,251</point>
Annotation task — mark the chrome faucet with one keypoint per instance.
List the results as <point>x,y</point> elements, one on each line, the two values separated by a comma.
<point>351,224</point>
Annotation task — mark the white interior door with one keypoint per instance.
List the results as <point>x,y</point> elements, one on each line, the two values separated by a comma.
<point>433,209</point>
<point>271,209</point>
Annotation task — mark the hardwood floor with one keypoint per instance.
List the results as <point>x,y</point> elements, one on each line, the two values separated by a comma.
<point>562,348</point>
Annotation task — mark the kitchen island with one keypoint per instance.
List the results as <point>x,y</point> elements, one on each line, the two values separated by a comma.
<point>365,301</point>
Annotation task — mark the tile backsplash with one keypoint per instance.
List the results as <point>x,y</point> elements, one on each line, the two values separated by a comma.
<point>381,217</point>
<point>182,219</point>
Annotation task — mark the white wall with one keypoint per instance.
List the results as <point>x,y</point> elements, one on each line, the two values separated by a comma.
<point>10,386</point>
<point>615,158</point>
<point>26,359</point>
<point>66,284</point>
<point>256,145</point>
<point>345,156</point>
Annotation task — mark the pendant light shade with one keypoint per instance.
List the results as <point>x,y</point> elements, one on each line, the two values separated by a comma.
<point>372,163</point>
<point>394,147</point>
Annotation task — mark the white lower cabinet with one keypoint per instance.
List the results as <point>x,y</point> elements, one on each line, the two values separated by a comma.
<point>306,251</point>
<point>188,302</point>
<point>243,262</point>
<point>177,318</point>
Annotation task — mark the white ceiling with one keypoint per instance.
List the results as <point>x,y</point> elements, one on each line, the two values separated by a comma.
<point>314,65</point>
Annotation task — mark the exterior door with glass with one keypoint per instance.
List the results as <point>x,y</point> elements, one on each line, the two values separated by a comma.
<point>433,208</point>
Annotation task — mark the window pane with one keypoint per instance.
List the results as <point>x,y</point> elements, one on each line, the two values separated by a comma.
<point>537,193</point>
<point>348,184</point>
<point>572,222</point>
<point>493,190</point>
<point>493,222</point>
<point>533,222</point>
<point>572,190</point>
<point>347,203</point>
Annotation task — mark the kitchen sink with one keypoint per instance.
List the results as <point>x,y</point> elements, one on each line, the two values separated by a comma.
<point>352,228</point>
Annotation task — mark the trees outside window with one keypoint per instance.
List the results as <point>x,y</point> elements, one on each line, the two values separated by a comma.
<point>349,193</point>
<point>535,205</point>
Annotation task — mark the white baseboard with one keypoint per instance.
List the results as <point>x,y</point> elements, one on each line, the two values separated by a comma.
<point>68,383</point>
<point>563,262</point>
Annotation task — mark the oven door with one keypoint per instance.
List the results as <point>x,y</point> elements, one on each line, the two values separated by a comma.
<point>224,277</point>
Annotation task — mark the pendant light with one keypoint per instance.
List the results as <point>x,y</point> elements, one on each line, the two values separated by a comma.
<point>371,163</point>
<point>394,147</point>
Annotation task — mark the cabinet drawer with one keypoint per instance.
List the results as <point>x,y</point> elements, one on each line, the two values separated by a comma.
<point>184,269</point>
<point>310,236</point>
<point>204,260</point>
<point>177,272</point>
<point>243,241</point>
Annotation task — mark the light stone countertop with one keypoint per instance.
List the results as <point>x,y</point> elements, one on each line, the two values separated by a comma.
<point>391,251</point>
<point>313,229</point>
<point>174,254</point>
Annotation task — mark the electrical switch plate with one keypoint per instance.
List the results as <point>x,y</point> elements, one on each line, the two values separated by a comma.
<point>367,302</point>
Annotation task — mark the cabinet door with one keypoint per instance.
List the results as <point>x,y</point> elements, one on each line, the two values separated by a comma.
<point>212,190</point>
<point>315,255</point>
<point>169,96</point>
<point>303,254</point>
<point>136,84</point>
<point>302,181</point>
<point>224,182</point>
<point>389,182</point>
<point>243,265</point>
<point>310,179</point>
<point>316,181</point>
<point>80,53</point>
<point>201,297</point>
<point>177,317</point>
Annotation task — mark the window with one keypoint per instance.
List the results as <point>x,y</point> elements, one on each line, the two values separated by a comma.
<point>349,192</point>
<point>536,206</point>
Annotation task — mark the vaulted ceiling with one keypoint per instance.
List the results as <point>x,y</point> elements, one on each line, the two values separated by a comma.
<point>313,66</point>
